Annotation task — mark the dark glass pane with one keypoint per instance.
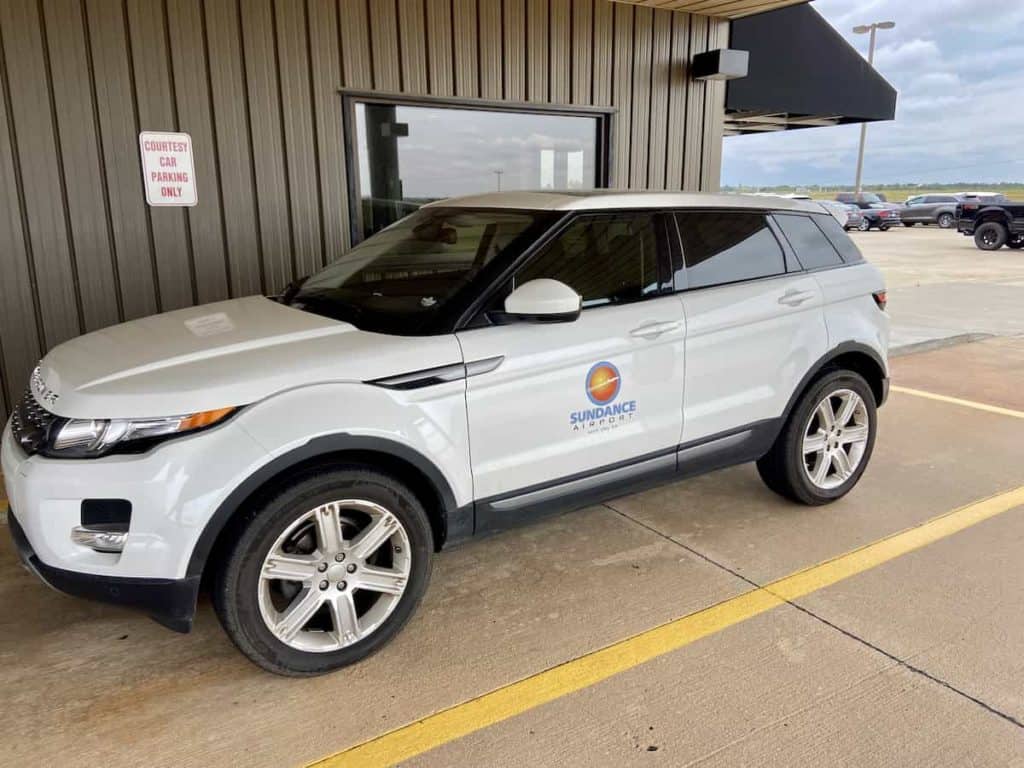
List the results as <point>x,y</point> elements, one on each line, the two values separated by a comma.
<point>728,246</point>
<point>418,275</point>
<point>812,247</point>
<point>411,155</point>
<point>607,260</point>
<point>838,237</point>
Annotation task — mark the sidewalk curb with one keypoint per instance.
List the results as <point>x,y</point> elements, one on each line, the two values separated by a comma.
<point>933,344</point>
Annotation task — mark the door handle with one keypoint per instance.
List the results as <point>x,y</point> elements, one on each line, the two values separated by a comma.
<point>653,330</point>
<point>794,298</point>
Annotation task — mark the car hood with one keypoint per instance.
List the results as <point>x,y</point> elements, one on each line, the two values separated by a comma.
<point>230,353</point>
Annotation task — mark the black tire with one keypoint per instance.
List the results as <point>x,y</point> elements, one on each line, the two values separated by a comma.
<point>1015,242</point>
<point>991,236</point>
<point>909,223</point>
<point>783,469</point>
<point>864,226</point>
<point>236,588</point>
<point>946,220</point>
<point>883,227</point>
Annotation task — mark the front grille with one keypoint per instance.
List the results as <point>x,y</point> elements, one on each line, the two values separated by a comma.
<point>31,423</point>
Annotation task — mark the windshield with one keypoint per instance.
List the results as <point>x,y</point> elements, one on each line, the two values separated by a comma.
<point>417,276</point>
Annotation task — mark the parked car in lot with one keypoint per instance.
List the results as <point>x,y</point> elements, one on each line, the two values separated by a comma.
<point>482,360</point>
<point>879,216</point>
<point>930,209</point>
<point>862,200</point>
<point>992,223</point>
<point>840,211</point>
<point>854,217</point>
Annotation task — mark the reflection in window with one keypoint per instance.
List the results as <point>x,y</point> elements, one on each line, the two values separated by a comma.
<point>607,260</point>
<point>411,155</point>
<point>726,247</point>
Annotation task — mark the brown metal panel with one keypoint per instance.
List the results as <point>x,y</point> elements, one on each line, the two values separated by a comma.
<point>118,127</point>
<point>20,345</point>
<point>266,124</point>
<point>299,142</point>
<point>561,51</point>
<point>234,148</point>
<point>537,64</point>
<point>465,36</point>
<point>192,90</point>
<point>622,93</point>
<point>38,155</point>
<point>489,21</point>
<point>678,71</point>
<point>154,94</point>
<point>694,109</point>
<point>354,26</point>
<point>439,47</point>
<point>582,51</point>
<point>325,59</point>
<point>70,73</point>
<point>384,45</point>
<point>603,32</point>
<point>714,114</point>
<point>641,120</point>
<point>412,29</point>
<point>661,52</point>
<point>515,49</point>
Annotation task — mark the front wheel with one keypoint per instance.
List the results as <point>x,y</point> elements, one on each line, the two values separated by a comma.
<point>909,223</point>
<point>325,572</point>
<point>826,443</point>
<point>991,236</point>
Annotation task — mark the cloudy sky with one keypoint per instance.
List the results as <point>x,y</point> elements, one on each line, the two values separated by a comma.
<point>958,66</point>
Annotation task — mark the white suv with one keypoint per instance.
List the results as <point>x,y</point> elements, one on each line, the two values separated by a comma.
<point>481,360</point>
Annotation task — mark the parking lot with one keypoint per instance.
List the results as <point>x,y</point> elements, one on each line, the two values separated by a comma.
<point>664,628</point>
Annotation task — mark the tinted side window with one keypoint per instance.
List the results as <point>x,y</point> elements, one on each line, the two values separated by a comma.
<point>839,239</point>
<point>607,259</point>
<point>728,246</point>
<point>812,247</point>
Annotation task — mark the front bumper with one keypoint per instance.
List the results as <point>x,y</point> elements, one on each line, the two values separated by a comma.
<point>172,602</point>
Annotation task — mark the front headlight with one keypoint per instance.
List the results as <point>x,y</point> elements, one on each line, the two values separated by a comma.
<point>81,438</point>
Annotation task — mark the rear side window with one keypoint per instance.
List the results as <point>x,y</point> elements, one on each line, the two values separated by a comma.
<point>612,259</point>
<point>813,249</point>
<point>727,247</point>
<point>839,239</point>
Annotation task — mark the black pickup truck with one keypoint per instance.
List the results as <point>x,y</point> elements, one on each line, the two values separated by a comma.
<point>992,221</point>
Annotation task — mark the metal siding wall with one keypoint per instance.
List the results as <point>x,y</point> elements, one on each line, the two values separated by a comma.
<point>256,83</point>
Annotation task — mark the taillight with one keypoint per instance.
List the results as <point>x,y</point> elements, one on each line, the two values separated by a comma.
<point>883,214</point>
<point>881,299</point>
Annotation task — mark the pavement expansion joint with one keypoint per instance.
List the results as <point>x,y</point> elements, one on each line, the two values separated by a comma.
<point>831,625</point>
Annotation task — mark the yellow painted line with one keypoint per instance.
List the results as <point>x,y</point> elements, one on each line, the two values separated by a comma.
<point>958,401</point>
<point>503,703</point>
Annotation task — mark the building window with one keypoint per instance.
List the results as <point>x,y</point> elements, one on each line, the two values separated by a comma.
<point>404,154</point>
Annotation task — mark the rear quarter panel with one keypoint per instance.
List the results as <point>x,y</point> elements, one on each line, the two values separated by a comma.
<point>850,310</point>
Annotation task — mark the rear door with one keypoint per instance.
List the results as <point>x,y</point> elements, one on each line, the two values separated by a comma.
<point>599,392</point>
<point>754,321</point>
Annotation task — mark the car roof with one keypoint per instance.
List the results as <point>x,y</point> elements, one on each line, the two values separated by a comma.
<point>612,199</point>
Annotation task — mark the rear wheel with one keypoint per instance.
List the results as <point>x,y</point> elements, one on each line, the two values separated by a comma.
<point>1016,242</point>
<point>883,227</point>
<point>946,220</point>
<point>991,236</point>
<point>864,225</point>
<point>826,443</point>
<point>325,572</point>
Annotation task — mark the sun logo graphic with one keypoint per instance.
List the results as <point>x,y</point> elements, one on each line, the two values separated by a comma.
<point>603,383</point>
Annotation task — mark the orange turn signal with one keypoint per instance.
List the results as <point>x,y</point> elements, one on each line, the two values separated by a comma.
<point>204,419</point>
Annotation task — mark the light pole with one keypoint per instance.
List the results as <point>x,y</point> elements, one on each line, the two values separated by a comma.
<point>862,30</point>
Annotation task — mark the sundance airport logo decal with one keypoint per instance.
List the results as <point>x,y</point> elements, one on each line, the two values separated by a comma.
<point>603,385</point>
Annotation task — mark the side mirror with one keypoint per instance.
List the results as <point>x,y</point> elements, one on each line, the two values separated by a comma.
<point>544,301</point>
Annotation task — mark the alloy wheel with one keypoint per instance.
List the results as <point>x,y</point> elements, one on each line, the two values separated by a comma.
<point>864,225</point>
<point>334,575</point>
<point>835,438</point>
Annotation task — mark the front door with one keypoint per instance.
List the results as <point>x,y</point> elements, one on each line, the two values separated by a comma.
<point>599,392</point>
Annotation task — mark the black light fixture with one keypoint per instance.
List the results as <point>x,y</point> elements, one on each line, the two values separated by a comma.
<point>720,64</point>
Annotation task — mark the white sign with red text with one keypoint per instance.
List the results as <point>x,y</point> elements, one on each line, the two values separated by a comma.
<point>167,169</point>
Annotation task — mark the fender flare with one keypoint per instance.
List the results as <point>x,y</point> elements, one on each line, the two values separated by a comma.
<point>845,348</point>
<point>457,521</point>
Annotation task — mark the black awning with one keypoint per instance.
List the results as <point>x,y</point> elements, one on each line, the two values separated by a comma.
<point>802,74</point>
